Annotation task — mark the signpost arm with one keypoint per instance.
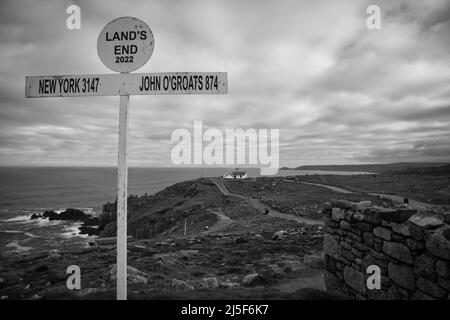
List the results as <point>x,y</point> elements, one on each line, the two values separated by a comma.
<point>122,182</point>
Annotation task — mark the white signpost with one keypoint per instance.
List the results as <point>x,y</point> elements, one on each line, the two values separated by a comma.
<point>125,45</point>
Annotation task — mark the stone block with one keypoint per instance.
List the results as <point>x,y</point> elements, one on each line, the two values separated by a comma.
<point>402,275</point>
<point>355,280</point>
<point>363,226</point>
<point>444,283</point>
<point>398,216</point>
<point>426,220</point>
<point>401,228</point>
<point>360,246</point>
<point>414,244</point>
<point>438,242</point>
<point>382,233</point>
<point>431,288</point>
<point>337,214</point>
<point>393,293</point>
<point>443,268</point>
<point>398,251</point>
<point>419,295</point>
<point>356,231</point>
<point>372,216</point>
<point>354,237</point>
<point>377,245</point>
<point>424,265</point>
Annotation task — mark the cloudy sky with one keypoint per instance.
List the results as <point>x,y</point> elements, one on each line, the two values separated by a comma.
<point>338,92</point>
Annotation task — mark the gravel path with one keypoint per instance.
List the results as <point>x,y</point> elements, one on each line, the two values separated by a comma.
<point>262,207</point>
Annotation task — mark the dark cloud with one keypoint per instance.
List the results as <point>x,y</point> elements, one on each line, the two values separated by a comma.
<point>338,92</point>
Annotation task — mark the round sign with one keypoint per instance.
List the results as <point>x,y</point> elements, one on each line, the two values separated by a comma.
<point>125,44</point>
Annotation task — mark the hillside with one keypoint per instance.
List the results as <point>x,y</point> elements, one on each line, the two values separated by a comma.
<point>374,168</point>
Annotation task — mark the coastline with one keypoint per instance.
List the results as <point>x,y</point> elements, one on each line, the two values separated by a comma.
<point>258,237</point>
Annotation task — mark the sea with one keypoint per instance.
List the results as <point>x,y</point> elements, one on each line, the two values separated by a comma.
<point>28,190</point>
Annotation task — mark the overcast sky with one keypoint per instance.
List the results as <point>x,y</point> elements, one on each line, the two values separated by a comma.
<point>338,92</point>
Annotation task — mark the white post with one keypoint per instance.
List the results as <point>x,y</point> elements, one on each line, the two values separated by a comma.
<point>122,182</point>
<point>185,226</point>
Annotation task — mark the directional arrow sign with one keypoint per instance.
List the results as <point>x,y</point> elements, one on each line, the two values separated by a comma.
<point>126,84</point>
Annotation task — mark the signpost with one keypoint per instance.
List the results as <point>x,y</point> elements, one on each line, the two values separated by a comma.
<point>125,45</point>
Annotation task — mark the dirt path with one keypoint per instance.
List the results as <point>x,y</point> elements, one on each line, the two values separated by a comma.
<point>262,207</point>
<point>337,189</point>
<point>224,221</point>
<point>396,198</point>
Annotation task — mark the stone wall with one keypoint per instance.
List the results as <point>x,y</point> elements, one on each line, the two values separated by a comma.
<point>412,250</point>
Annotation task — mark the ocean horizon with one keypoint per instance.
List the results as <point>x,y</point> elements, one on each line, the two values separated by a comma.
<point>32,190</point>
<point>61,187</point>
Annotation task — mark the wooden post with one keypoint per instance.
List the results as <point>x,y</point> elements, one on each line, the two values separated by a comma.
<point>122,182</point>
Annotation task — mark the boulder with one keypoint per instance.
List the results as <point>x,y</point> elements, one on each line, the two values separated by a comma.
<point>444,283</point>
<point>181,285</point>
<point>430,288</point>
<point>275,271</point>
<point>165,260</point>
<point>134,276</point>
<point>426,220</point>
<point>90,231</point>
<point>210,283</point>
<point>253,279</point>
<point>241,240</point>
<point>424,265</point>
<point>337,214</point>
<point>228,284</point>
<point>398,251</point>
<point>402,275</point>
<point>71,214</point>
<point>258,237</point>
<point>438,243</point>
<point>382,233</point>
<point>292,265</point>
<point>363,205</point>
<point>400,228</point>
<point>344,225</point>
<point>279,235</point>
<point>51,215</point>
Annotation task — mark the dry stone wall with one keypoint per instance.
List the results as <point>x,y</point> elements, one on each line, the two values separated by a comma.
<point>411,249</point>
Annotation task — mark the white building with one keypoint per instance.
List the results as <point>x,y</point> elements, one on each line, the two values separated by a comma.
<point>235,175</point>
